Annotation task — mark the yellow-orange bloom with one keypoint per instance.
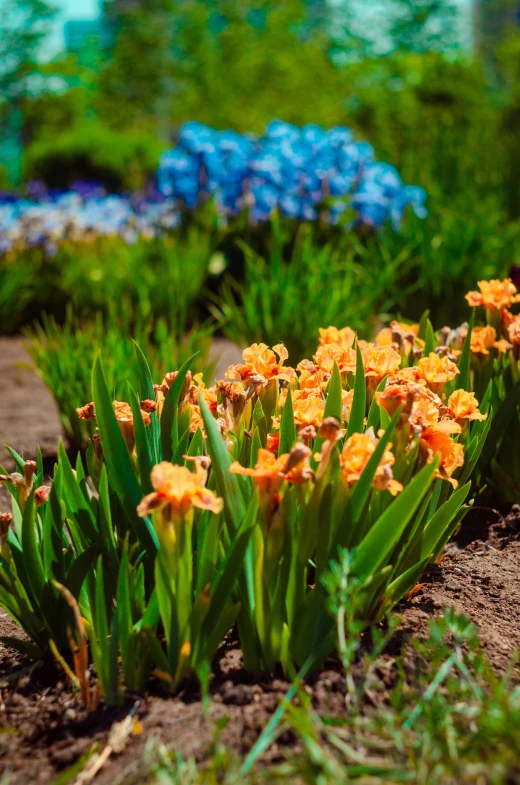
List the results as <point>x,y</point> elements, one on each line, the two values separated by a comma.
<point>210,397</point>
<point>420,405</point>
<point>355,455</point>
<point>438,440</point>
<point>463,405</point>
<point>328,353</point>
<point>259,360</point>
<point>424,413</point>
<point>177,490</point>
<point>344,337</point>
<point>347,399</point>
<point>208,393</point>
<point>494,295</point>
<point>484,338</point>
<point>379,361</point>
<point>270,472</point>
<point>308,407</point>
<point>311,376</point>
<point>436,371</point>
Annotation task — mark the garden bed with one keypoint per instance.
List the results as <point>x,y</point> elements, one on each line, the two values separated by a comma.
<point>46,729</point>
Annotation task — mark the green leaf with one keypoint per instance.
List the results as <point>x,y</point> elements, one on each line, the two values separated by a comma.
<point>429,339</point>
<point>27,648</point>
<point>79,570</point>
<point>31,553</point>
<point>440,522</point>
<point>499,424</point>
<point>287,426</point>
<point>233,563</point>
<point>117,458</point>
<point>77,505</point>
<point>182,447</point>
<point>124,608</point>
<point>363,486</point>
<point>105,520</point>
<point>53,539</point>
<point>463,379</point>
<point>449,531</point>
<point>19,461</point>
<point>389,527</point>
<point>147,392</point>
<point>170,412</point>
<point>422,325</point>
<point>143,447</point>
<point>256,446</point>
<point>356,423</point>
<point>403,584</point>
<point>227,483</point>
<point>100,623</point>
<point>374,416</point>
<point>334,402</point>
<point>420,544</point>
<point>197,444</point>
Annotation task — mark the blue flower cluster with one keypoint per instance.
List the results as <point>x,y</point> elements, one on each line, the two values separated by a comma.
<point>302,172</point>
<point>47,219</point>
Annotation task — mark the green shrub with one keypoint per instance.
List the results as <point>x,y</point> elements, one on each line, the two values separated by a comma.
<point>117,159</point>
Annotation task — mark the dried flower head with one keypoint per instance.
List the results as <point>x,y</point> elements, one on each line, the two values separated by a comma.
<point>402,337</point>
<point>41,495</point>
<point>6,521</point>
<point>513,330</point>
<point>86,412</point>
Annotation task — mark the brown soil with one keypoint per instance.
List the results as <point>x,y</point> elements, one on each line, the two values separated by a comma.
<point>44,728</point>
<point>28,414</point>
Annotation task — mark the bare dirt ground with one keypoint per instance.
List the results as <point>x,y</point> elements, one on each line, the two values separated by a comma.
<point>44,728</point>
<point>28,415</point>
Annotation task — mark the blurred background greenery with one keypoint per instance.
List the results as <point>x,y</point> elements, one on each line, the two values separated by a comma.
<point>432,84</point>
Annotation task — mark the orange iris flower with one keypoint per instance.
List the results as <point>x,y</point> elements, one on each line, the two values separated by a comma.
<point>494,295</point>
<point>436,371</point>
<point>355,455</point>
<point>344,337</point>
<point>379,361</point>
<point>463,405</point>
<point>177,491</point>
<point>270,472</point>
<point>260,360</point>
<point>438,440</point>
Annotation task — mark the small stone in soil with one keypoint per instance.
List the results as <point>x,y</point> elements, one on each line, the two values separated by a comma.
<point>237,695</point>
